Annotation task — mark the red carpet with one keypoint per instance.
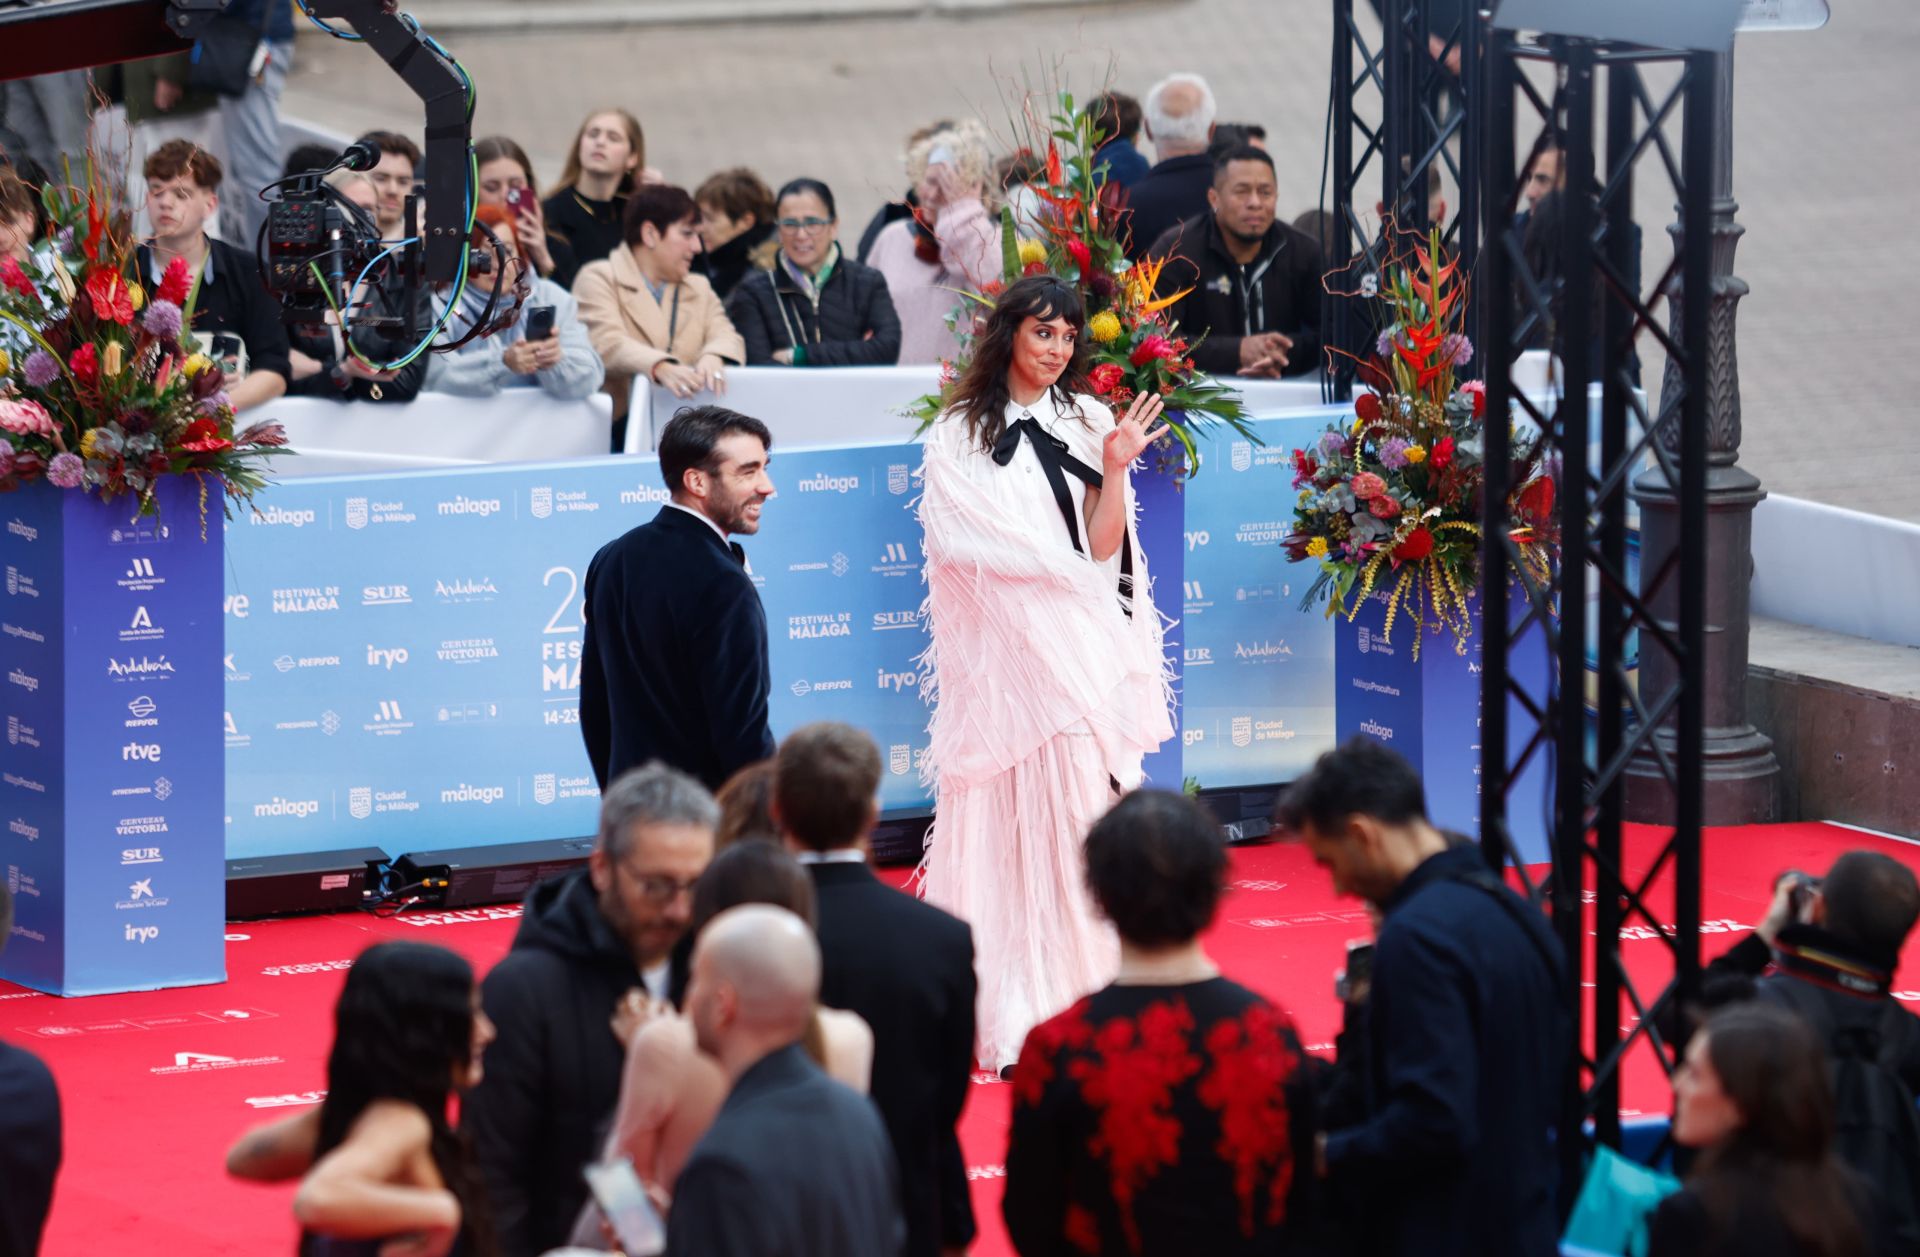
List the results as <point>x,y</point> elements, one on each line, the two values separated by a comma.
<point>157,1085</point>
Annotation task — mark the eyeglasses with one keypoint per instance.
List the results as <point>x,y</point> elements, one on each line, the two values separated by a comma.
<point>657,888</point>
<point>803,224</point>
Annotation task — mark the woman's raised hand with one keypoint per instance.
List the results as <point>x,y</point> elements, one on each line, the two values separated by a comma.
<point>1131,436</point>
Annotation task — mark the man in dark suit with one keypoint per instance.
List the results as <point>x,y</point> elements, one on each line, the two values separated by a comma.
<point>1179,117</point>
<point>674,664</point>
<point>795,1163</point>
<point>903,965</point>
<point>29,1133</point>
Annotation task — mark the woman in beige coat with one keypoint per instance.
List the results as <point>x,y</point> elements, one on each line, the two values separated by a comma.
<point>646,314</point>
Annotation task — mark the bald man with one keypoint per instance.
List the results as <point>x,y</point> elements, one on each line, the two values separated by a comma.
<point>795,1163</point>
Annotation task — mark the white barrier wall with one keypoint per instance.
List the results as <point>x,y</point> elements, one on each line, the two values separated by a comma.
<point>521,425</point>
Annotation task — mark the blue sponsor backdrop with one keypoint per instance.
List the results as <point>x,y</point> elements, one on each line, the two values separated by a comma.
<point>1421,709</point>
<point>111,792</point>
<point>403,651</point>
<point>402,657</point>
<point>1258,694</point>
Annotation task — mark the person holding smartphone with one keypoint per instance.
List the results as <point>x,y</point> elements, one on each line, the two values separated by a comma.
<point>546,347</point>
<point>506,178</point>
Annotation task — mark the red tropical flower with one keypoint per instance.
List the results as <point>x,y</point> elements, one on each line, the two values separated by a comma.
<point>1441,456</point>
<point>1034,268</point>
<point>203,437</point>
<point>1536,500</point>
<point>1367,406</point>
<point>1104,377</point>
<point>1417,545</point>
<point>1082,256</point>
<point>13,277</point>
<point>1384,507</point>
<point>112,301</point>
<point>1055,175</point>
<point>1152,348</point>
<point>177,282</point>
<point>85,363</point>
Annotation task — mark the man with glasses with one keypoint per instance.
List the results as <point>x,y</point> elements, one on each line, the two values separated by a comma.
<point>591,943</point>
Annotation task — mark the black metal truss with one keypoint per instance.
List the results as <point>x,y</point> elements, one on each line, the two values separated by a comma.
<point>1397,111</point>
<point>1586,307</point>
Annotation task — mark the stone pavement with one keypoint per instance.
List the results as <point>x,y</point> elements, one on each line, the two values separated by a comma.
<point>1825,157</point>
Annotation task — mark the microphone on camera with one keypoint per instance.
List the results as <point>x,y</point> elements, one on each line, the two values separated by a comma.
<point>358,155</point>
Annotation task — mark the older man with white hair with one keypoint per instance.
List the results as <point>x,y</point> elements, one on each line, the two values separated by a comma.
<point>795,1163</point>
<point>1179,113</point>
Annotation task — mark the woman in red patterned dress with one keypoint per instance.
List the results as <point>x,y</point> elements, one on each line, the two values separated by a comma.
<point>1167,1114</point>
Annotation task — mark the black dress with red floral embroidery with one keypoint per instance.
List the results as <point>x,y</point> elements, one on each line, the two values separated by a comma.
<point>1160,1121</point>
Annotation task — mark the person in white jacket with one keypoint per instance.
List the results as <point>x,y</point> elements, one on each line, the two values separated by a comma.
<point>563,365</point>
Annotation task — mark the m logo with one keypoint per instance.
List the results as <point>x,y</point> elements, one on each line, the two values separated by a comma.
<point>896,553</point>
<point>389,711</point>
<point>1193,591</point>
<point>543,788</point>
<point>360,802</point>
<point>140,569</point>
<point>1243,730</point>
<point>1242,455</point>
<point>899,758</point>
<point>899,478</point>
<point>840,564</point>
<point>356,513</point>
<point>540,502</point>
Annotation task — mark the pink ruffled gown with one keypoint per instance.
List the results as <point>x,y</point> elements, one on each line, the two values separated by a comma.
<point>1047,694</point>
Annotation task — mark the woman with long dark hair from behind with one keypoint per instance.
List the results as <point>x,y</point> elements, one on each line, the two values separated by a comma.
<point>383,1170</point>
<point>1046,657</point>
<point>1753,1096</point>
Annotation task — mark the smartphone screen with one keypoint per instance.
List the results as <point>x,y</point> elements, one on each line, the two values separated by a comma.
<point>617,1190</point>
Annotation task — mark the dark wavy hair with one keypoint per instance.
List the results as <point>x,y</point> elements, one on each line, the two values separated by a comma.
<point>1774,1069</point>
<point>980,395</point>
<point>403,1026</point>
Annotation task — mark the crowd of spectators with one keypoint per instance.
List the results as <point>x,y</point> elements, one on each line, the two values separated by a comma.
<point>630,274</point>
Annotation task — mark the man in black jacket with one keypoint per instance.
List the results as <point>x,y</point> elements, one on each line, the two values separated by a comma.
<point>1468,1035</point>
<point>588,940</point>
<point>674,662</point>
<point>903,965</point>
<point>1179,112</point>
<point>29,1133</point>
<point>795,1163</point>
<point>1253,281</point>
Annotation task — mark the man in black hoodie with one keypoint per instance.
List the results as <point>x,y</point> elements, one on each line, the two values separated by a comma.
<point>1252,283</point>
<point>587,940</point>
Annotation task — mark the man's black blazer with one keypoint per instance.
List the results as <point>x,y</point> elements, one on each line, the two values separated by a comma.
<point>907,967</point>
<point>29,1149</point>
<point>795,1164</point>
<point>674,664</point>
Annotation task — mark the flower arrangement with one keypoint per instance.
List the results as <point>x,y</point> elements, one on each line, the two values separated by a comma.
<point>1392,500</point>
<point>1135,347</point>
<point>103,394</point>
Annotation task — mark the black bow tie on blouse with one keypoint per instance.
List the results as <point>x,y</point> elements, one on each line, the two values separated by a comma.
<point>1055,461</point>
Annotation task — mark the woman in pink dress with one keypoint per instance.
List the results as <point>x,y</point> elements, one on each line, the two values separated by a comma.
<point>1046,666</point>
